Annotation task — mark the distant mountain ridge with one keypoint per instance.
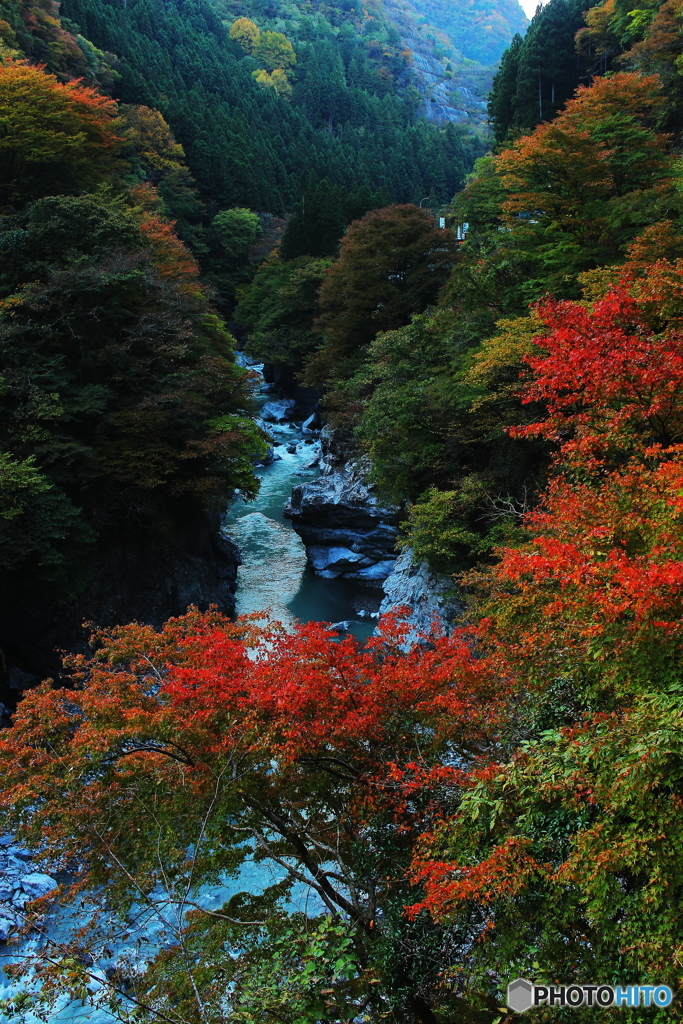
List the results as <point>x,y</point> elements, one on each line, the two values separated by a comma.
<point>481,29</point>
<point>455,48</point>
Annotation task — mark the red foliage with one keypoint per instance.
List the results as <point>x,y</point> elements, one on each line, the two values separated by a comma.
<point>170,255</point>
<point>504,873</point>
<point>606,376</point>
<point>289,707</point>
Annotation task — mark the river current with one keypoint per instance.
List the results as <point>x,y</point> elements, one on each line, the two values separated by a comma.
<point>274,577</point>
<point>274,574</point>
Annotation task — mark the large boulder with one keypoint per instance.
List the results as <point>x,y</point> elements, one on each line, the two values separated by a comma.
<point>279,411</point>
<point>431,598</point>
<point>333,561</point>
<point>347,530</point>
<point>37,884</point>
<point>311,426</point>
<point>7,888</point>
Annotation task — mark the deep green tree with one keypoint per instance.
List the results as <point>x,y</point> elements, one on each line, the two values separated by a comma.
<point>322,215</point>
<point>278,309</point>
<point>541,72</point>
<point>118,386</point>
<point>237,230</point>
<point>501,102</point>
<point>393,264</point>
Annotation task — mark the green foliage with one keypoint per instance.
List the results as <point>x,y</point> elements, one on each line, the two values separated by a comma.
<point>113,370</point>
<point>321,216</point>
<point>393,264</point>
<point>274,50</point>
<point>279,307</point>
<point>38,523</point>
<point>430,401</point>
<point>19,481</point>
<point>297,970</point>
<point>237,230</point>
<point>32,29</point>
<point>455,529</point>
<point>276,80</point>
<point>245,147</point>
<point>431,415</point>
<point>246,33</point>
<point>155,158</point>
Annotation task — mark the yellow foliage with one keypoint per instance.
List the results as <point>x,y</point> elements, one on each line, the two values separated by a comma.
<point>498,364</point>
<point>277,81</point>
<point>246,33</point>
<point>598,36</point>
<point>274,51</point>
<point>597,282</point>
<point>53,137</point>
<point>152,138</point>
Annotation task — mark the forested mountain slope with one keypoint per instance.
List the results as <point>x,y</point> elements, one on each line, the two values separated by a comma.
<point>480,29</point>
<point>502,802</point>
<point>351,115</point>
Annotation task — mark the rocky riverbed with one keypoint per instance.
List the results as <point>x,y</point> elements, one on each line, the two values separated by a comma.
<point>348,532</point>
<point>20,882</point>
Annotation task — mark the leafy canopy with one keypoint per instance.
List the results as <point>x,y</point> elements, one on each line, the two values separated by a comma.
<point>54,137</point>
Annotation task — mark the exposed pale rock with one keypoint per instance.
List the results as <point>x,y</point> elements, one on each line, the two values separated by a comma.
<point>311,426</point>
<point>347,531</point>
<point>279,411</point>
<point>429,596</point>
<point>37,884</point>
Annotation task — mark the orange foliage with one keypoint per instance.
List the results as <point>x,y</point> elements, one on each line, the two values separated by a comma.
<point>601,145</point>
<point>56,137</point>
<point>170,255</point>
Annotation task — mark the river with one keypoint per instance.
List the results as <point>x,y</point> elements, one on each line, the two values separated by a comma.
<point>274,573</point>
<point>274,576</point>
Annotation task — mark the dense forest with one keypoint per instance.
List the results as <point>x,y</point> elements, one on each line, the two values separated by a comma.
<point>494,801</point>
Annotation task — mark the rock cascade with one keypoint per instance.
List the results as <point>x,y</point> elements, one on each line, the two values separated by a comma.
<point>348,533</point>
<point>20,882</point>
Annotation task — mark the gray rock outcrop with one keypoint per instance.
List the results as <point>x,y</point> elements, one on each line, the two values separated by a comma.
<point>279,411</point>
<point>430,596</point>
<point>347,531</point>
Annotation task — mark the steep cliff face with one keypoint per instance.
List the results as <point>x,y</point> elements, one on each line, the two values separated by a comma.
<point>452,88</point>
<point>147,580</point>
<point>454,50</point>
<point>347,531</point>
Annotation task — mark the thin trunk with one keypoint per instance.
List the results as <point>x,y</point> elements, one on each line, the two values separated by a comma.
<point>422,1011</point>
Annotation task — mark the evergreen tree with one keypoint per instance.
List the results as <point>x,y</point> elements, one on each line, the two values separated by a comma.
<point>501,104</point>
<point>320,218</point>
<point>540,72</point>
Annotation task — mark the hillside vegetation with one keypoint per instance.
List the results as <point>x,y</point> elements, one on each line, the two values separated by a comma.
<point>432,819</point>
